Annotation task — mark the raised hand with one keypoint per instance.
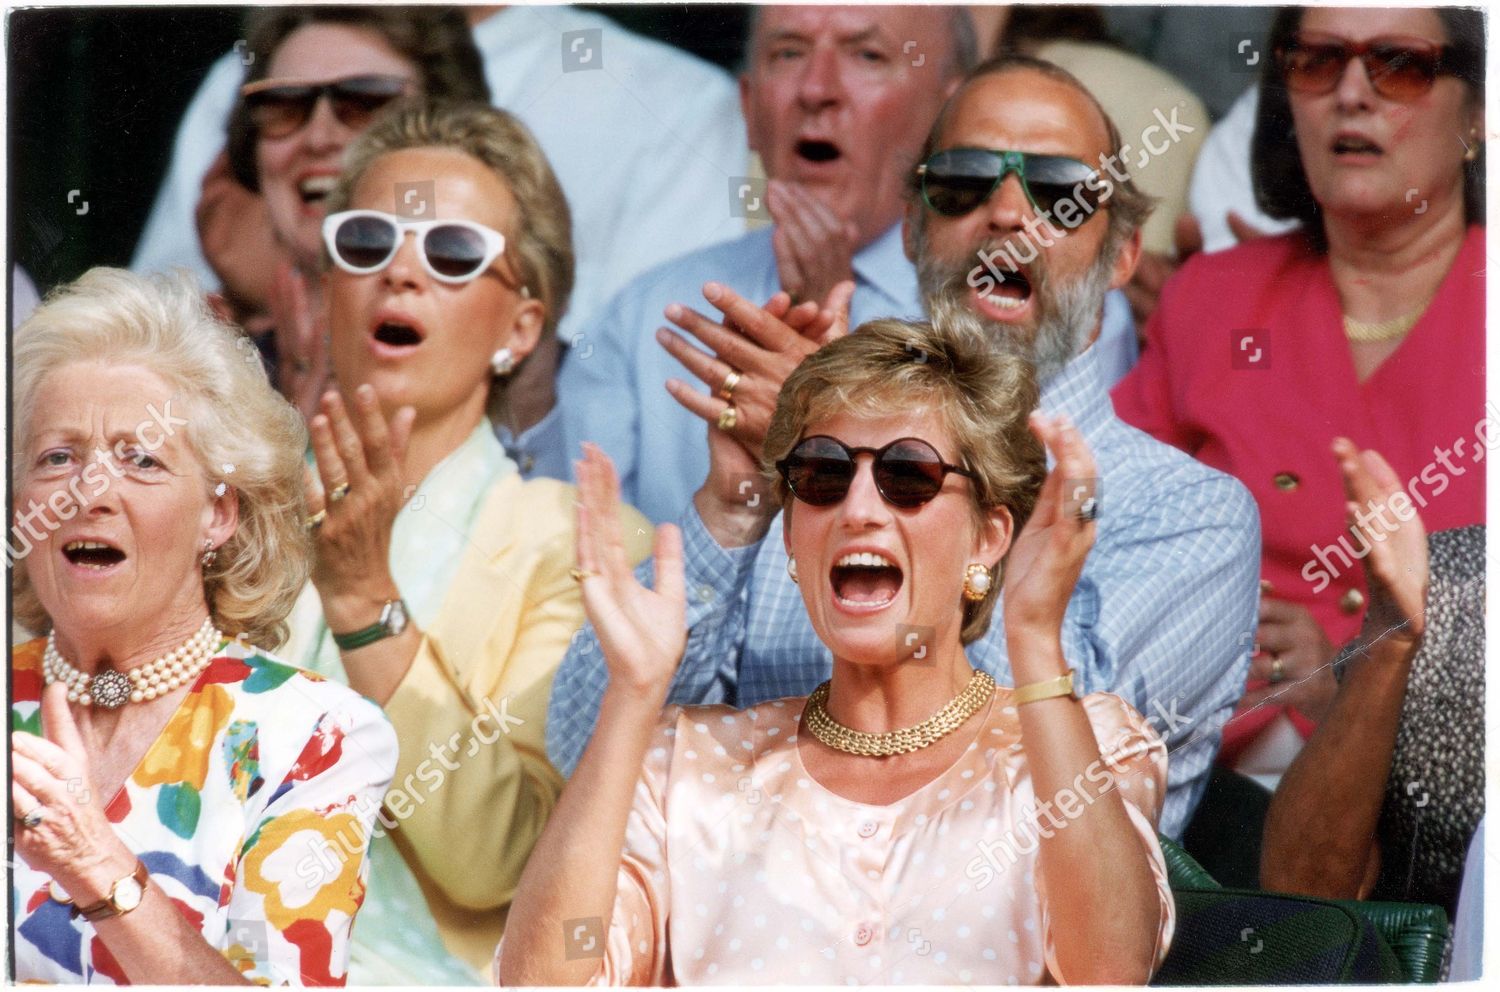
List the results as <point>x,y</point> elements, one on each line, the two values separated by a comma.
<point>814,247</point>
<point>73,841</point>
<point>359,489</point>
<point>641,631</point>
<point>1047,558</point>
<point>759,345</point>
<point>1396,569</point>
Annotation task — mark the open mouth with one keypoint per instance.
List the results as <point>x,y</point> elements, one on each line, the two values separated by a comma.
<point>1011,291</point>
<point>397,335</point>
<point>315,189</point>
<point>1353,145</point>
<point>818,150</point>
<point>865,580</point>
<point>92,554</point>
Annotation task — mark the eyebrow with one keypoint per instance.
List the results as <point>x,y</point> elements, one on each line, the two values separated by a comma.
<point>872,32</point>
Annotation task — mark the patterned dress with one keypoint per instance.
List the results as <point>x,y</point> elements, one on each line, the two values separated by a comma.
<point>252,811</point>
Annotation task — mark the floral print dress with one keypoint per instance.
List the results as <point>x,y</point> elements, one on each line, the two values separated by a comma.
<point>252,811</point>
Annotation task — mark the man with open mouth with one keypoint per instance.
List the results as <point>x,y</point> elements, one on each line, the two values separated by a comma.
<point>1164,614</point>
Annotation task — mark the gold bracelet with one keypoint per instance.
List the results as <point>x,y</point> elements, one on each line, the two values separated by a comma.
<point>1060,686</point>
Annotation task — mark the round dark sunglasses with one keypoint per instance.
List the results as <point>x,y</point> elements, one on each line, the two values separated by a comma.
<point>956,181</point>
<point>280,107</point>
<point>1399,68</point>
<point>908,472</point>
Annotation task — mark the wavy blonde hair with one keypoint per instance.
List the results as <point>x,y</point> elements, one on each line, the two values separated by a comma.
<point>234,417</point>
<point>984,393</point>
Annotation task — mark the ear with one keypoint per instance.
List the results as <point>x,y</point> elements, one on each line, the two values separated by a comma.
<point>1126,261</point>
<point>221,517</point>
<point>994,536</point>
<point>524,329</point>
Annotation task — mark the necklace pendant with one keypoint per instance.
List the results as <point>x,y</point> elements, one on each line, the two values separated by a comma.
<point>110,690</point>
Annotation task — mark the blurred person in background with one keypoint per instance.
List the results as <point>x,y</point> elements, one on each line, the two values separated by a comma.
<point>441,586</point>
<point>173,784</point>
<point>1366,322</point>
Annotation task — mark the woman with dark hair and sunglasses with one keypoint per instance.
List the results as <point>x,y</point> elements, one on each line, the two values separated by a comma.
<point>315,78</point>
<point>899,825</point>
<point>1366,323</point>
<point>441,586</point>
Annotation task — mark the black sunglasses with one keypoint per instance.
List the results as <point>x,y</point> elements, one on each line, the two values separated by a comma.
<point>1399,68</point>
<point>956,181</point>
<point>908,472</point>
<point>280,107</point>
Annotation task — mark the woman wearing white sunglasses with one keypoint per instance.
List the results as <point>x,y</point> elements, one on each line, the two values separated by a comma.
<point>442,587</point>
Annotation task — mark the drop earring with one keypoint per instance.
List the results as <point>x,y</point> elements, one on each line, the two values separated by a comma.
<point>791,568</point>
<point>977,582</point>
<point>210,553</point>
<point>502,363</point>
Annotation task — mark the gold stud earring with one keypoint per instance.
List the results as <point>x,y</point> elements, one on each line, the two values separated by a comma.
<point>977,582</point>
<point>791,568</point>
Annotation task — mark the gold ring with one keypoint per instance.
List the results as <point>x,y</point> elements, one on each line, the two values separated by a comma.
<point>579,574</point>
<point>34,817</point>
<point>726,391</point>
<point>316,520</point>
<point>728,417</point>
<point>338,492</point>
<point>1278,671</point>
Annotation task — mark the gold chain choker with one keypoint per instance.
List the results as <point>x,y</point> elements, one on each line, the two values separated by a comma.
<point>931,730</point>
<point>111,689</point>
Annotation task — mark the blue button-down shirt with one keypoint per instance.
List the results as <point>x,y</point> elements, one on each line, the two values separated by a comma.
<point>1163,615</point>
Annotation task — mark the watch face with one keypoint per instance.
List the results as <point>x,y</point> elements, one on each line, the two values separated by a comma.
<point>128,894</point>
<point>396,623</point>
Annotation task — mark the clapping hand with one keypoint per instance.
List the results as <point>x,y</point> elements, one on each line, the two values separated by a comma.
<point>641,631</point>
<point>1396,569</point>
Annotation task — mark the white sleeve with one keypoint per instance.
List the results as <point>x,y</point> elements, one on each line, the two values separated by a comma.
<point>1221,179</point>
<point>170,237</point>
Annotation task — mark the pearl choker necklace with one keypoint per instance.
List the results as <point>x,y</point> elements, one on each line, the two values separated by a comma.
<point>111,689</point>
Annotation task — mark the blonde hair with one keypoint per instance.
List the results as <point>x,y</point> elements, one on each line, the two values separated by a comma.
<point>234,418</point>
<point>542,248</point>
<point>984,394</point>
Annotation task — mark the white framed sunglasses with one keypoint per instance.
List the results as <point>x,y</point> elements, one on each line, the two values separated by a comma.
<point>452,251</point>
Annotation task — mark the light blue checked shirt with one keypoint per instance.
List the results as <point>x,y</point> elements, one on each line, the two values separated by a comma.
<point>1163,615</point>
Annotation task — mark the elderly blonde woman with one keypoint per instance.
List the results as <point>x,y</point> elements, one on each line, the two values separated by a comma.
<point>176,789</point>
<point>900,824</point>
<point>441,587</point>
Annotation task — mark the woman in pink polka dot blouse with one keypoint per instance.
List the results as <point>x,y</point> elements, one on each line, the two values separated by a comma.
<point>909,822</point>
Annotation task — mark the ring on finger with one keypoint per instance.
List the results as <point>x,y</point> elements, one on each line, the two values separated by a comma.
<point>728,417</point>
<point>314,521</point>
<point>338,492</point>
<point>34,817</point>
<point>579,574</point>
<point>1088,509</point>
<point>1278,670</point>
<point>726,391</point>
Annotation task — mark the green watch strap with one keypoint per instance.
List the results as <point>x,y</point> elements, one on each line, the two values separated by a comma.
<point>377,631</point>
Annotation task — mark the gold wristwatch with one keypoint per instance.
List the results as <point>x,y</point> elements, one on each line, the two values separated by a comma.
<point>126,894</point>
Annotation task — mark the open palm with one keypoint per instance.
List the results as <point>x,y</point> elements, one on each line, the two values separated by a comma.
<point>641,631</point>
<point>1396,569</point>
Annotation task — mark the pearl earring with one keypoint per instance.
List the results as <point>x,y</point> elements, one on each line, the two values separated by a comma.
<point>209,552</point>
<point>791,568</point>
<point>502,363</point>
<point>977,582</point>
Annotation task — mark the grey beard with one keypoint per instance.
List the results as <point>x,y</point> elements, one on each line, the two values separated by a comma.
<point>1069,311</point>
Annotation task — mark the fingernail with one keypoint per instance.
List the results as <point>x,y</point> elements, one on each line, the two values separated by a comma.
<point>662,336</point>
<point>674,312</point>
<point>712,292</point>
